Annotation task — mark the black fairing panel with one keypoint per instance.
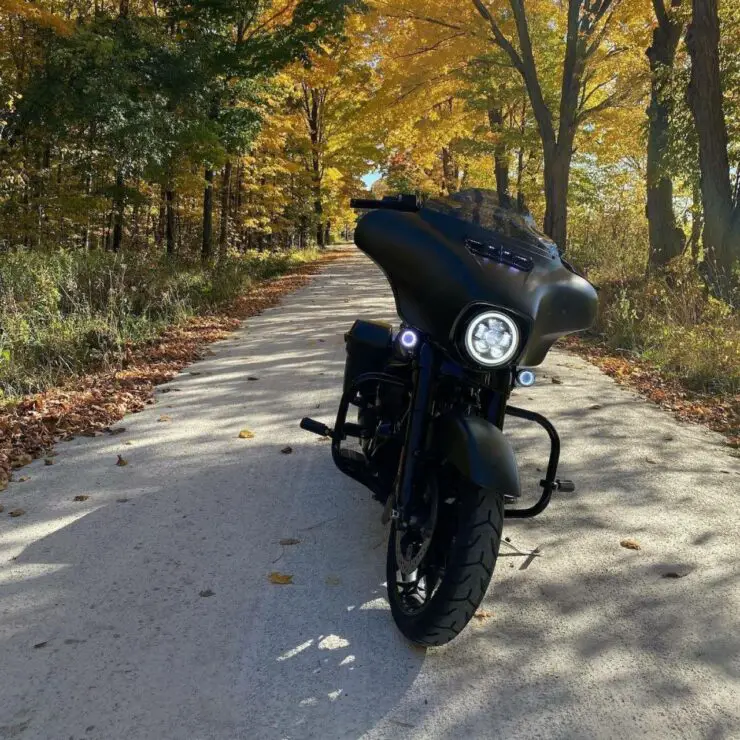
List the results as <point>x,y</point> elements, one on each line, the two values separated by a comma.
<point>434,275</point>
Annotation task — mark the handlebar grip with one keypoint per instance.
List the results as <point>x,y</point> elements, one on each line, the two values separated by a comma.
<point>406,203</point>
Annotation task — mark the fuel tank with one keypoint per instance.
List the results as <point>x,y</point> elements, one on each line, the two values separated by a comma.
<point>468,249</point>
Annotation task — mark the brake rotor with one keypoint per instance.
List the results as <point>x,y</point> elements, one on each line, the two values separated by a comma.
<point>412,544</point>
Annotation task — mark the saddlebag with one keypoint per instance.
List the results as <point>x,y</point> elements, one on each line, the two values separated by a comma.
<point>368,346</point>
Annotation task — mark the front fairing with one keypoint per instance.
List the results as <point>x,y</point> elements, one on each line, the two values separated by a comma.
<point>437,279</point>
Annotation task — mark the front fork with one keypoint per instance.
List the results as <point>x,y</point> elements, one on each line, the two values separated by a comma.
<point>423,372</point>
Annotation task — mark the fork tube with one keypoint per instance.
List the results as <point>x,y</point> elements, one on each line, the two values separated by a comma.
<point>423,375</point>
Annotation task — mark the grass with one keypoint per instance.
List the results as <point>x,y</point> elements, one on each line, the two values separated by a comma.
<point>670,319</point>
<point>64,313</point>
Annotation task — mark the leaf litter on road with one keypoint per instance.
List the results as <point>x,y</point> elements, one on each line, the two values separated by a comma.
<point>630,544</point>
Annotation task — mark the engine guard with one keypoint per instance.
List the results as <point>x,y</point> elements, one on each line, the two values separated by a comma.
<point>481,452</point>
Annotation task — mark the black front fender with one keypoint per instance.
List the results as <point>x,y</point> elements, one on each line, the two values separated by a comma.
<point>478,450</point>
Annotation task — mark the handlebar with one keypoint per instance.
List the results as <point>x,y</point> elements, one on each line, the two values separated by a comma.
<point>407,203</point>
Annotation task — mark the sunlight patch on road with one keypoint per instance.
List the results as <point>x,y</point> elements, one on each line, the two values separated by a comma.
<point>296,650</point>
<point>332,642</point>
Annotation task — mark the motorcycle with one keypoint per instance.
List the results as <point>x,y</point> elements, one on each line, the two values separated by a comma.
<point>482,297</point>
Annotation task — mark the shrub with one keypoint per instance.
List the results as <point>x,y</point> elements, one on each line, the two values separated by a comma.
<point>65,312</point>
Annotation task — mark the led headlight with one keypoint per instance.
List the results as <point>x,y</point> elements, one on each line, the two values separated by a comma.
<point>492,338</point>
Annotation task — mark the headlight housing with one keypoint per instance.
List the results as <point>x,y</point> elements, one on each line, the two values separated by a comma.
<point>492,338</point>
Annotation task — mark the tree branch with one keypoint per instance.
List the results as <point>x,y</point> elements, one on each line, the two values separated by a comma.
<point>661,14</point>
<point>499,37</point>
<point>432,47</point>
<point>610,101</point>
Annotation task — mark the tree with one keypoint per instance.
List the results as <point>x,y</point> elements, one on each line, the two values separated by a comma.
<point>587,27</point>
<point>666,238</point>
<point>720,203</point>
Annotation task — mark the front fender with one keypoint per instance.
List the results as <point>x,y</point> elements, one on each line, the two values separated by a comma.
<point>478,450</point>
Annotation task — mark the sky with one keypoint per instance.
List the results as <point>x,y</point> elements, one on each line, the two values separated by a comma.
<point>371,178</point>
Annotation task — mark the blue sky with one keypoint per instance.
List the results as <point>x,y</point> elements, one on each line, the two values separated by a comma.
<point>371,178</point>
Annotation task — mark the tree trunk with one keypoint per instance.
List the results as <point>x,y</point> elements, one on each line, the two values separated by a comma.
<point>159,227</point>
<point>449,184</point>
<point>327,234</point>
<point>696,222</point>
<point>721,227</point>
<point>170,220</point>
<point>557,175</point>
<point>666,238</point>
<point>207,244</point>
<point>119,205</point>
<point>500,155</point>
<point>223,239</point>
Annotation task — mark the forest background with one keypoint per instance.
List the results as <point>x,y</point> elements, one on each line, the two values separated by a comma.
<point>158,157</point>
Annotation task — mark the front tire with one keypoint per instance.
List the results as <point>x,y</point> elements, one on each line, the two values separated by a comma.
<point>456,570</point>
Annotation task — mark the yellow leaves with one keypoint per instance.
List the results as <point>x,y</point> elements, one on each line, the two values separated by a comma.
<point>121,461</point>
<point>630,544</point>
<point>246,434</point>
<point>280,579</point>
<point>33,12</point>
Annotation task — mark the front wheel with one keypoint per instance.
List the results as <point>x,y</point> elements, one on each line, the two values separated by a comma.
<point>439,570</point>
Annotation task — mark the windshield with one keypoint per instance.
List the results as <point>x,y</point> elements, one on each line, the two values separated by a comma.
<point>483,208</point>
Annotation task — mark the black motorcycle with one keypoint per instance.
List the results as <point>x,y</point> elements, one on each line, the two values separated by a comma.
<point>482,297</point>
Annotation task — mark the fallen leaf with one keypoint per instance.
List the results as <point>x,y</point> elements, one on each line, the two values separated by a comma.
<point>17,512</point>
<point>651,461</point>
<point>595,406</point>
<point>333,580</point>
<point>24,478</point>
<point>630,544</point>
<point>81,497</point>
<point>117,430</point>
<point>41,644</point>
<point>128,443</point>
<point>483,614</point>
<point>280,579</point>
<point>556,380</point>
<point>192,372</point>
<point>287,450</point>
<point>165,417</point>
<point>252,377</point>
<point>122,500</point>
<point>289,541</point>
<point>121,461</point>
<point>674,574</point>
<point>246,434</point>
<point>48,461</point>
<point>206,593</point>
